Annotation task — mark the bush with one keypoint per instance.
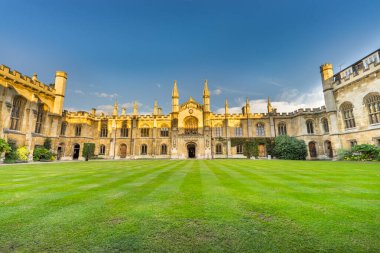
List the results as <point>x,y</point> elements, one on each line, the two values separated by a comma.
<point>22,153</point>
<point>41,153</point>
<point>363,152</point>
<point>4,146</point>
<point>88,150</point>
<point>289,148</point>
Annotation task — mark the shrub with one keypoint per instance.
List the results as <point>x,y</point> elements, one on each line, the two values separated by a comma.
<point>289,148</point>
<point>4,146</point>
<point>11,155</point>
<point>41,153</point>
<point>363,152</point>
<point>22,153</point>
<point>88,150</point>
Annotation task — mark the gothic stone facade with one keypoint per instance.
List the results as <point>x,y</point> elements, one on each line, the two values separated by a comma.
<point>31,111</point>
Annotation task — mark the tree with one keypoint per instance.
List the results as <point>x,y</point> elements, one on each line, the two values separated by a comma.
<point>88,150</point>
<point>289,148</point>
<point>4,146</point>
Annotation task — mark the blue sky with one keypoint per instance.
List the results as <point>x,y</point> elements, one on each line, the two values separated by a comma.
<point>134,50</point>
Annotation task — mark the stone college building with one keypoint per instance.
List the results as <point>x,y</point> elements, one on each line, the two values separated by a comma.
<point>31,111</point>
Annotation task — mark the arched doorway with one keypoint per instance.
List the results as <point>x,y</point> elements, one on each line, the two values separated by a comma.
<point>328,149</point>
<point>312,149</point>
<point>123,151</point>
<point>261,150</point>
<point>60,151</point>
<point>191,150</point>
<point>76,152</point>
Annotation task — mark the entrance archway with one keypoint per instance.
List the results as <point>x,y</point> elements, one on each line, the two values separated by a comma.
<point>312,149</point>
<point>60,151</point>
<point>191,150</point>
<point>76,152</point>
<point>123,151</point>
<point>328,149</point>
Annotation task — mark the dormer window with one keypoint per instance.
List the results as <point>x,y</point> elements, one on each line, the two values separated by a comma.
<point>347,73</point>
<point>374,58</point>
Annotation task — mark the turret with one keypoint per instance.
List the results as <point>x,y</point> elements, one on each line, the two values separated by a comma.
<point>226,106</point>
<point>247,106</point>
<point>155,108</point>
<point>327,75</point>
<point>269,106</point>
<point>135,109</point>
<point>123,111</point>
<point>115,108</point>
<point>206,97</point>
<point>60,87</point>
<point>175,98</point>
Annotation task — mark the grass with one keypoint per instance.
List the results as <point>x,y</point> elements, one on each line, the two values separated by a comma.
<point>190,206</point>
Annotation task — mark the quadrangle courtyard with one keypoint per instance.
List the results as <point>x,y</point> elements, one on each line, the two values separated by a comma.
<point>190,206</point>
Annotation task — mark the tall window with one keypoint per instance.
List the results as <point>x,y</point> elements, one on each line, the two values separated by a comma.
<point>238,131</point>
<point>218,149</point>
<point>325,124</point>
<point>124,129</point>
<point>145,131</point>
<point>347,110</point>
<point>164,149</point>
<point>282,129</point>
<point>310,126</point>
<point>239,149</point>
<point>39,118</point>
<point>144,149</point>
<point>102,150</point>
<point>260,131</point>
<point>78,130</point>
<point>373,104</point>
<point>191,125</point>
<point>104,129</point>
<point>63,128</point>
<point>17,112</point>
<point>164,132</point>
<point>218,131</point>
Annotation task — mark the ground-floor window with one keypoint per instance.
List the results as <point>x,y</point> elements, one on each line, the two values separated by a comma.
<point>144,149</point>
<point>102,150</point>
<point>164,149</point>
<point>239,149</point>
<point>218,149</point>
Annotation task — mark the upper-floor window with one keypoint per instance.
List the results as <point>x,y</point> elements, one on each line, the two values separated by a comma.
<point>372,101</point>
<point>282,129</point>
<point>104,129</point>
<point>238,131</point>
<point>371,59</point>
<point>144,149</point>
<point>124,129</point>
<point>78,130</point>
<point>164,132</point>
<point>191,125</point>
<point>239,149</point>
<point>17,112</point>
<point>348,72</point>
<point>218,149</point>
<point>310,126</point>
<point>144,131</point>
<point>260,131</point>
<point>218,131</point>
<point>347,110</point>
<point>164,149</point>
<point>39,118</point>
<point>102,150</point>
<point>63,128</point>
<point>325,125</point>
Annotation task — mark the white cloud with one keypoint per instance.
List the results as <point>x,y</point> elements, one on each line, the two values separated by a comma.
<point>80,92</point>
<point>288,101</point>
<point>217,91</point>
<point>106,95</point>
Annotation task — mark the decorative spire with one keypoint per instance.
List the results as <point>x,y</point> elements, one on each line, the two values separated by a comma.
<point>135,108</point>
<point>226,106</point>
<point>247,106</point>
<point>123,111</point>
<point>34,78</point>
<point>115,108</point>
<point>155,108</point>
<point>175,90</point>
<point>269,106</point>
<point>206,92</point>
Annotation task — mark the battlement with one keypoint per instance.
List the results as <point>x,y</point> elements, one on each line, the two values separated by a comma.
<point>17,77</point>
<point>360,69</point>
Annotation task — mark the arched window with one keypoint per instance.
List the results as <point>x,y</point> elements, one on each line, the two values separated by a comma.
<point>218,149</point>
<point>373,104</point>
<point>191,125</point>
<point>164,149</point>
<point>310,126</point>
<point>144,131</point>
<point>124,129</point>
<point>347,110</point>
<point>260,131</point>
<point>104,129</point>
<point>63,128</point>
<point>239,149</point>
<point>164,131</point>
<point>325,124</point>
<point>238,131</point>
<point>282,129</point>
<point>17,112</point>
<point>78,130</point>
<point>218,131</point>
<point>39,118</point>
<point>102,149</point>
<point>144,149</point>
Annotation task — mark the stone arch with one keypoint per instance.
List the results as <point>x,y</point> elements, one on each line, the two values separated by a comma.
<point>313,149</point>
<point>123,150</point>
<point>76,151</point>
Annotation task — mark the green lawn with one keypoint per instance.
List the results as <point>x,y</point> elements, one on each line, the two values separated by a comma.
<point>219,205</point>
